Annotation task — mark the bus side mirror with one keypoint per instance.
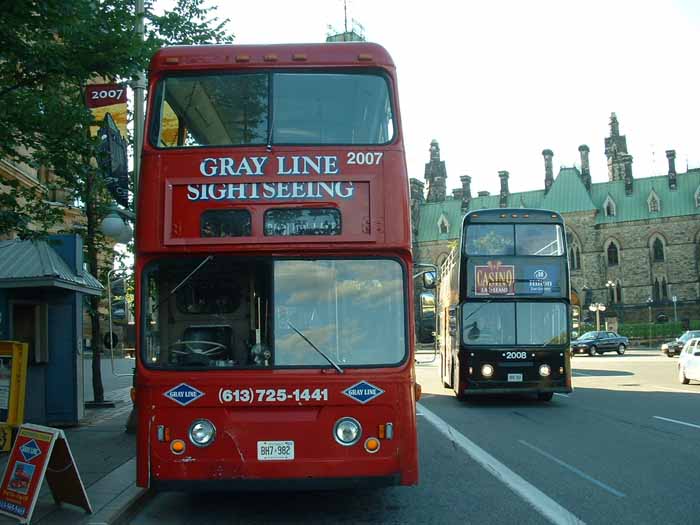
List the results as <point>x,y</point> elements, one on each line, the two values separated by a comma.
<point>429,279</point>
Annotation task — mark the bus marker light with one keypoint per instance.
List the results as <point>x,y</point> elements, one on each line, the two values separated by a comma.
<point>372,445</point>
<point>242,58</point>
<point>364,57</point>
<point>545,370</point>
<point>471,370</point>
<point>515,215</point>
<point>132,394</point>
<point>172,60</point>
<point>390,431</point>
<point>299,56</point>
<point>381,432</point>
<point>419,391</point>
<point>487,370</point>
<point>270,58</point>
<point>561,370</point>
<point>177,446</point>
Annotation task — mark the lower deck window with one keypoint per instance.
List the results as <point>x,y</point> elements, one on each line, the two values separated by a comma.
<point>226,312</point>
<point>504,323</point>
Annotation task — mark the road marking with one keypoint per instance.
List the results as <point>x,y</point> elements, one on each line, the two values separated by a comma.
<point>545,505</point>
<point>562,395</point>
<point>675,390</point>
<point>676,421</point>
<point>577,373</point>
<point>573,469</point>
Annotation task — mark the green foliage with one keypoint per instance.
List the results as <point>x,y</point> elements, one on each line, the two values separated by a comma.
<point>49,51</point>
<point>643,330</point>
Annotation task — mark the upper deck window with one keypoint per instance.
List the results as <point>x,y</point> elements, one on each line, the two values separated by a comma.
<point>518,239</point>
<point>235,109</point>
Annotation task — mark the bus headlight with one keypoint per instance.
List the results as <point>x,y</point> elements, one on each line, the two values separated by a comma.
<point>347,431</point>
<point>545,370</point>
<point>202,432</point>
<point>487,370</point>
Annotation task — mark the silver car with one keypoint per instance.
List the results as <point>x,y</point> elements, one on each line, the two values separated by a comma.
<point>689,361</point>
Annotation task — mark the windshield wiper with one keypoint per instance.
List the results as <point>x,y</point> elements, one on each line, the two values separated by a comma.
<point>340,370</point>
<point>205,261</point>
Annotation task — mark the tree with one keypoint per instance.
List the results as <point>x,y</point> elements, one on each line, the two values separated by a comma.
<point>49,51</point>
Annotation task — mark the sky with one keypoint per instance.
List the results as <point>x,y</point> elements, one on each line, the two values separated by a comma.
<point>497,81</point>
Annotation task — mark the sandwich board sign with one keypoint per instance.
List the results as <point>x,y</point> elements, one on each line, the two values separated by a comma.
<point>40,452</point>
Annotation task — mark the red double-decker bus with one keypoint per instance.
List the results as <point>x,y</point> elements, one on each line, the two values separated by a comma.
<point>274,271</point>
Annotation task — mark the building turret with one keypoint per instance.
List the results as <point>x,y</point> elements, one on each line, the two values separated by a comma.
<point>672,180</point>
<point>466,191</point>
<point>436,174</point>
<point>503,196</point>
<point>585,166</point>
<point>619,160</point>
<point>548,172</point>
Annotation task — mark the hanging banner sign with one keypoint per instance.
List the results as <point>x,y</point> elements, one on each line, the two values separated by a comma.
<point>494,278</point>
<point>107,98</point>
<point>40,452</point>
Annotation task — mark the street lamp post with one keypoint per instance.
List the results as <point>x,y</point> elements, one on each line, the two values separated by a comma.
<point>597,308</point>
<point>675,312</point>
<point>649,301</point>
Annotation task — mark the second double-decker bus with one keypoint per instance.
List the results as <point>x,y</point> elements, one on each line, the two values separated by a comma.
<point>503,306</point>
<point>273,270</point>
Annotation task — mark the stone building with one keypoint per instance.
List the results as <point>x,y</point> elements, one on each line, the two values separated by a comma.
<point>634,243</point>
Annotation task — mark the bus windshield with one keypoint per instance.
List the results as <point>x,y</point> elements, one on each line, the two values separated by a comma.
<point>514,239</point>
<point>237,313</point>
<point>235,109</point>
<point>514,323</point>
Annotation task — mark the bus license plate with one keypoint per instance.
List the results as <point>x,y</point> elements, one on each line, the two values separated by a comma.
<point>275,450</point>
<point>515,377</point>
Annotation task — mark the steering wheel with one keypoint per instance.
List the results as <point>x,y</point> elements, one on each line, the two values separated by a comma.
<point>213,347</point>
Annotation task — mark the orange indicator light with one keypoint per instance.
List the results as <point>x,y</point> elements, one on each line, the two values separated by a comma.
<point>364,57</point>
<point>172,60</point>
<point>382,431</point>
<point>242,58</point>
<point>372,445</point>
<point>132,393</point>
<point>419,391</point>
<point>299,56</point>
<point>270,58</point>
<point>177,446</point>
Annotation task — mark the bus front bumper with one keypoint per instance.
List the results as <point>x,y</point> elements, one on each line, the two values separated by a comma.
<point>287,484</point>
<point>503,387</point>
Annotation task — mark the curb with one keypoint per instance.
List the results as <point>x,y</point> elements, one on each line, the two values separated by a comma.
<point>122,508</point>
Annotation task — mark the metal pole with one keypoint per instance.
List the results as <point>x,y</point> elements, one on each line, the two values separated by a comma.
<point>139,87</point>
<point>649,326</point>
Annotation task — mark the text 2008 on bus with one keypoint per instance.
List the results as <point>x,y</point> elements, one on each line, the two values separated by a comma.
<point>273,270</point>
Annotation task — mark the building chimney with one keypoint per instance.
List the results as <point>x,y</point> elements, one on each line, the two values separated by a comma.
<point>466,191</point>
<point>484,193</point>
<point>503,201</point>
<point>417,198</point>
<point>457,194</point>
<point>585,166</point>
<point>672,181</point>
<point>548,173</point>
<point>627,170</point>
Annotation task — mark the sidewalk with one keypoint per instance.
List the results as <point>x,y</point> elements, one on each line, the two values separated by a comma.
<point>105,457</point>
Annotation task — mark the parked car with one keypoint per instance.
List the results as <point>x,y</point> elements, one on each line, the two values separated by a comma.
<point>689,361</point>
<point>593,343</point>
<point>674,347</point>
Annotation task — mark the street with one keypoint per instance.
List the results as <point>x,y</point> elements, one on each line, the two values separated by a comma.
<point>622,448</point>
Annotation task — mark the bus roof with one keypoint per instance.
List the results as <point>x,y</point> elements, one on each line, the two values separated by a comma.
<point>273,56</point>
<point>513,215</point>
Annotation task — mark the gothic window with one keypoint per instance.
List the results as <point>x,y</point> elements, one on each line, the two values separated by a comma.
<point>656,291</point>
<point>613,255</point>
<point>664,289</point>
<point>443,225</point>
<point>609,207</point>
<point>697,197</point>
<point>618,292</point>
<point>653,202</point>
<point>578,258</point>
<point>657,250</point>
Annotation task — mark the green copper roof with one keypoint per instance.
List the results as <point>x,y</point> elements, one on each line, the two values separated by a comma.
<point>568,195</point>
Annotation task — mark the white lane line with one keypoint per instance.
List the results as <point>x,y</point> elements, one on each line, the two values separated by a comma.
<point>582,374</point>
<point>562,395</point>
<point>675,390</point>
<point>573,469</point>
<point>545,505</point>
<point>676,421</point>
